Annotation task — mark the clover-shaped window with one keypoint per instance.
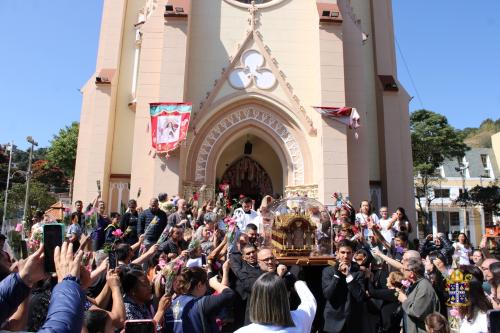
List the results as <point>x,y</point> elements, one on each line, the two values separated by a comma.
<point>252,71</point>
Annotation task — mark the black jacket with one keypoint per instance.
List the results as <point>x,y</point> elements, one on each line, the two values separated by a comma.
<point>151,234</point>
<point>344,301</point>
<point>446,249</point>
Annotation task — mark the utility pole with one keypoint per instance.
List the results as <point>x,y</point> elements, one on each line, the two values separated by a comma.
<point>11,148</point>
<point>463,166</point>
<point>28,178</point>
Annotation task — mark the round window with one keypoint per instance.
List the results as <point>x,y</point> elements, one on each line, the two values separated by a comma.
<point>258,3</point>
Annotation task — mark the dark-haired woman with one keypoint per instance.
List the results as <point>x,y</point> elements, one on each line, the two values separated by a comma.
<point>474,317</point>
<point>270,308</point>
<point>463,249</point>
<point>193,311</point>
<point>434,275</point>
<point>402,223</point>
<point>138,294</point>
<point>495,285</point>
<point>98,321</point>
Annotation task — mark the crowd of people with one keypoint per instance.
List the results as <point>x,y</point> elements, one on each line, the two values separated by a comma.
<point>195,269</point>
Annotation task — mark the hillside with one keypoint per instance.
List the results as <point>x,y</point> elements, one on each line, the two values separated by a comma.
<point>481,137</point>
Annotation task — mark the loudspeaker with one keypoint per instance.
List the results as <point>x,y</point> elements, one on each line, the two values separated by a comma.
<point>248,148</point>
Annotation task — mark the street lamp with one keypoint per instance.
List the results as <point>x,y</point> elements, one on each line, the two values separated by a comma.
<point>28,178</point>
<point>462,168</point>
<point>10,147</point>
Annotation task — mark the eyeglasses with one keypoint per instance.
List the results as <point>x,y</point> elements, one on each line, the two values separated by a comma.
<point>267,259</point>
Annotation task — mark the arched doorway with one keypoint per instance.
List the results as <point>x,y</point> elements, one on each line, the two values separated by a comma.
<point>246,177</point>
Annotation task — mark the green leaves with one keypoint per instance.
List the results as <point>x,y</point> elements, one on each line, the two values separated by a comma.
<point>488,197</point>
<point>433,140</point>
<point>62,150</point>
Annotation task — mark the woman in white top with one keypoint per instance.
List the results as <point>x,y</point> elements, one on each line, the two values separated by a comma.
<point>474,319</point>
<point>402,223</point>
<point>463,249</point>
<point>387,224</point>
<point>364,216</point>
<point>270,309</point>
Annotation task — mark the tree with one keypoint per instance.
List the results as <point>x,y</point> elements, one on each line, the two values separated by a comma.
<point>39,197</point>
<point>49,175</point>
<point>62,150</point>
<point>488,197</point>
<point>433,141</point>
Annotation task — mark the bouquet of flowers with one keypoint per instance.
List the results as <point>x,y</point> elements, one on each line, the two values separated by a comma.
<point>35,239</point>
<point>90,218</point>
<point>231,228</point>
<point>164,235</point>
<point>170,270</point>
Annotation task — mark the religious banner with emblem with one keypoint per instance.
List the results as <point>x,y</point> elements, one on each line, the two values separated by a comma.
<point>169,125</point>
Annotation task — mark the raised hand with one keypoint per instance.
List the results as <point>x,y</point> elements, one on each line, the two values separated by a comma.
<point>66,263</point>
<point>113,279</point>
<point>281,270</point>
<point>31,269</point>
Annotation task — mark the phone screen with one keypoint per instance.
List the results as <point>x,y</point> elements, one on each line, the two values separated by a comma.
<point>112,260</point>
<point>140,326</point>
<point>52,237</point>
<point>24,249</point>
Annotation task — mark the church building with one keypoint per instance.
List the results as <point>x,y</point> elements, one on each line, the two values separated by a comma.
<point>288,97</point>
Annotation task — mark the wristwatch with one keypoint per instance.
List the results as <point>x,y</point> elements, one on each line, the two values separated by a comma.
<point>72,278</point>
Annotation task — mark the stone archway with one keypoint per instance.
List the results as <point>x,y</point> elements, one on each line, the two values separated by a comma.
<point>242,116</point>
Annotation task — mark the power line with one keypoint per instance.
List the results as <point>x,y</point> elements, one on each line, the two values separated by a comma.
<point>409,74</point>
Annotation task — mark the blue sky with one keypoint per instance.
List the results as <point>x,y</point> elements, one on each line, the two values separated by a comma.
<point>49,50</point>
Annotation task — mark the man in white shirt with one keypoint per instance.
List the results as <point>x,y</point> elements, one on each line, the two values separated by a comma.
<point>245,214</point>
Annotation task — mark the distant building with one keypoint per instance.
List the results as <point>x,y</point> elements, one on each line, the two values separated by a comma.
<point>481,167</point>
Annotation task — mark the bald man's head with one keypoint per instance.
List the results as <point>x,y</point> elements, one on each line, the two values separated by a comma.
<point>485,267</point>
<point>411,254</point>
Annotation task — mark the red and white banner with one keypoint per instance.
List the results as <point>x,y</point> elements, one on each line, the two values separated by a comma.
<point>169,125</point>
<point>346,115</point>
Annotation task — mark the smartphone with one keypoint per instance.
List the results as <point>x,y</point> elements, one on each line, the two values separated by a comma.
<point>24,249</point>
<point>53,235</point>
<point>113,262</point>
<point>494,321</point>
<point>140,326</point>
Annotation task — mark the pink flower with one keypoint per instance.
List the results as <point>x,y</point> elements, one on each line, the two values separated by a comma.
<point>90,212</point>
<point>162,263</point>
<point>406,283</point>
<point>117,233</point>
<point>454,313</point>
<point>19,227</point>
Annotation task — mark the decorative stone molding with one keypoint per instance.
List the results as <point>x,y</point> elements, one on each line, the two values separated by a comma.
<point>254,113</point>
<point>122,191</point>
<point>263,50</point>
<point>251,71</point>
<point>311,191</point>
